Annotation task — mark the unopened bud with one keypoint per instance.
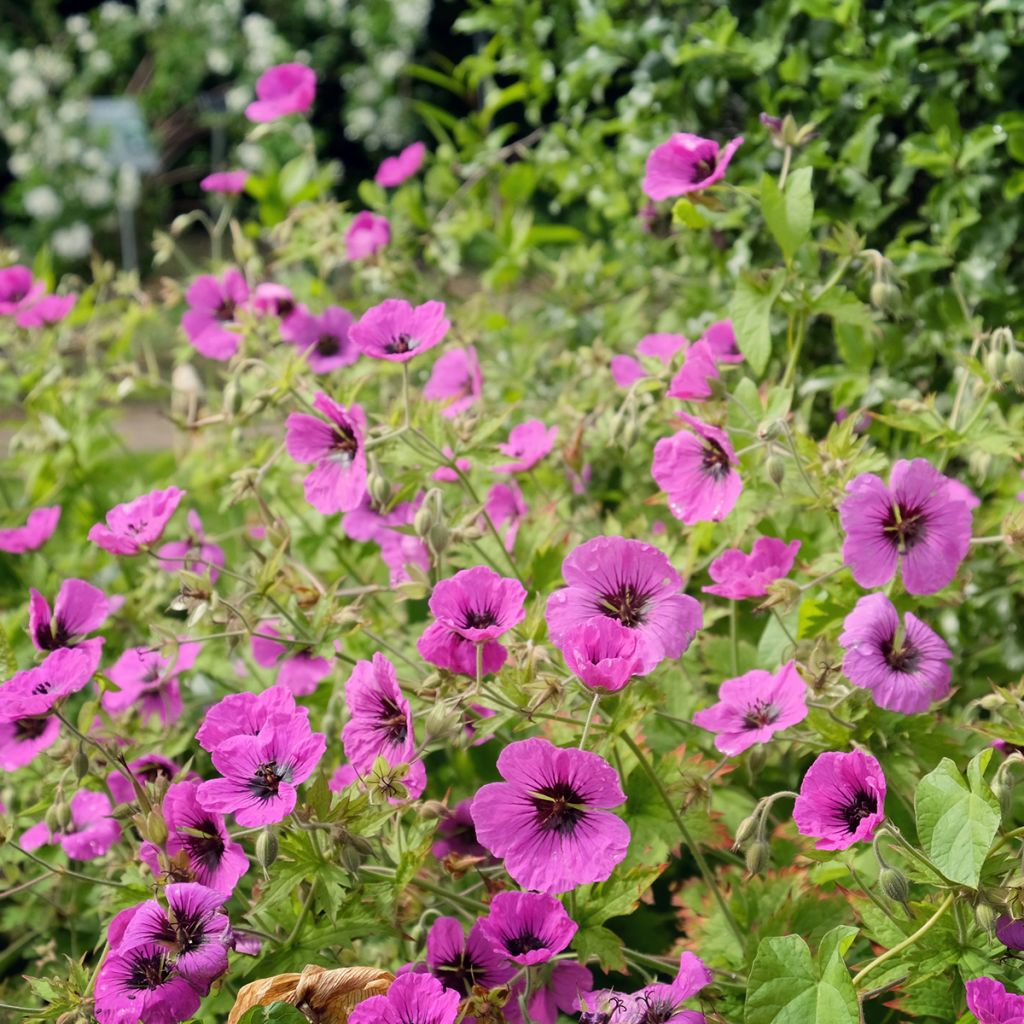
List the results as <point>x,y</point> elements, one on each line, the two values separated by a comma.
<point>423,520</point>
<point>628,434</point>
<point>438,538</point>
<point>266,848</point>
<point>52,818</point>
<point>745,832</point>
<point>439,720</point>
<point>351,859</point>
<point>1015,369</point>
<point>232,398</point>
<point>759,856</point>
<point>362,844</point>
<point>378,487</point>
<point>995,365</point>
<point>80,763</point>
<point>1003,792</point>
<point>433,809</point>
<point>756,759</point>
<point>775,467</point>
<point>986,917</point>
<point>156,828</point>
<point>894,884</point>
<point>884,295</point>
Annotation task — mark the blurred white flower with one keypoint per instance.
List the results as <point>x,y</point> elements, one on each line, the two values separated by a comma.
<point>42,203</point>
<point>26,90</point>
<point>20,164</point>
<point>218,61</point>
<point>100,62</point>
<point>96,192</point>
<point>72,242</point>
<point>77,24</point>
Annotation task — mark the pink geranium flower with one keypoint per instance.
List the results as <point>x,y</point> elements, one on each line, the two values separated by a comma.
<point>691,381</point>
<point>753,707</point>
<point>841,801</point>
<point>35,691</point>
<point>411,997</point>
<point>149,768</point>
<point>398,550</point>
<point>550,819</point>
<point>323,338</point>
<point>557,989</point>
<point>195,553</point>
<point>149,682</point>
<point>246,714</point>
<point>461,962</point>
<point>396,169</point>
<point>91,833</point>
<point>337,482</point>
<point>904,665</point>
<point>738,575</point>
<point>48,309</point>
<point>455,380</point>
<point>37,530</point>
<point>22,739</point>
<point>630,582</point>
<point>603,653</point>
<point>397,331</point>
<point>260,773</point>
<point>918,520</point>
<point>989,1001</point>
<point>136,524</point>
<point>80,609</point>
<point>229,183</point>
<point>456,834</point>
<point>686,163</point>
<point>16,286</point>
<point>298,670</point>
<point>527,444</point>
<point>658,1002</point>
<point>210,320</point>
<point>695,468</point>
<point>272,299</point>
<point>281,90</point>
<point>367,233</point>
<point>627,371</point>
<point>527,928</point>
<point>447,475</point>
<point>506,507</point>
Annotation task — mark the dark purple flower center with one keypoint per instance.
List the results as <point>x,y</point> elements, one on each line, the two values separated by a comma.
<point>42,688</point>
<point>148,971</point>
<point>715,459</point>
<point>285,307</point>
<point>628,604</point>
<point>344,442</point>
<point>703,169</point>
<point>205,850</point>
<point>559,808</point>
<point>759,714</point>
<point>266,780</point>
<point>905,527</point>
<point>525,942</point>
<point>657,1011</point>
<point>400,344</point>
<point>185,932</point>
<point>901,657</point>
<point>858,807</point>
<point>328,345</point>
<point>225,311</point>
<point>479,618</point>
<point>393,722</point>
<point>27,729</point>
<point>460,973</point>
<point>52,635</point>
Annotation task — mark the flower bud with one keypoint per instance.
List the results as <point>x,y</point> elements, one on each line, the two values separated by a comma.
<point>351,859</point>
<point>156,828</point>
<point>52,817</point>
<point>986,917</point>
<point>80,763</point>
<point>746,830</point>
<point>437,539</point>
<point>775,467</point>
<point>1015,369</point>
<point>759,856</point>
<point>629,434</point>
<point>894,884</point>
<point>377,487</point>
<point>995,365</point>
<point>232,398</point>
<point>266,848</point>
<point>433,809</point>
<point>884,295</point>
<point>423,520</point>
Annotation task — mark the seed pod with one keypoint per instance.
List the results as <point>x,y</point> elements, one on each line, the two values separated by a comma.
<point>80,763</point>
<point>1015,368</point>
<point>759,856</point>
<point>433,809</point>
<point>232,398</point>
<point>266,848</point>
<point>775,466</point>
<point>894,884</point>
<point>423,520</point>
<point>351,859</point>
<point>52,818</point>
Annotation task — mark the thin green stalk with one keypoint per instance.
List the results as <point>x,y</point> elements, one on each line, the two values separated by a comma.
<point>307,903</point>
<point>906,943</point>
<point>589,718</point>
<point>733,640</point>
<point>95,879</point>
<point>698,854</point>
<point>787,157</point>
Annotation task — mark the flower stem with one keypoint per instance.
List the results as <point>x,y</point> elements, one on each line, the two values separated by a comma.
<point>787,156</point>
<point>906,943</point>
<point>587,721</point>
<point>733,639</point>
<point>698,854</point>
<point>405,395</point>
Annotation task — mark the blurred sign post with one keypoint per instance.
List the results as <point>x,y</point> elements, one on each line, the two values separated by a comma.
<point>119,122</point>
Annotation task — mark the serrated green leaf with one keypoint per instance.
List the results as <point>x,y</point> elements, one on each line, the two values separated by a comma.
<point>788,212</point>
<point>600,944</point>
<point>750,311</point>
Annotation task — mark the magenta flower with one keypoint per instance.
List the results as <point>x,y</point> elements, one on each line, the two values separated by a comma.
<point>692,380</point>
<point>459,962</point>
<point>246,714</point>
<point>323,338</point>
<point>549,819</point>
<point>365,235</point>
<point>215,860</point>
<point>918,519</point>
<point>603,653</point>
<point>48,309</point>
<point>654,1003</point>
<point>38,529</point>
<point>904,665</point>
<point>627,371</point>
<point>753,707</point>
<point>478,604</point>
<point>456,834</point>
<point>447,475</point>
<point>228,183</point>
<point>686,163</point>
<point>446,649</point>
<point>380,722</point>
<point>695,469</point>
<point>398,550</point>
<point>35,691</point>
<point>146,769</point>
<point>143,984</point>
<point>527,444</point>
<point>80,609</point>
<point>22,739</point>
<point>16,287</point>
<point>720,338</point>
<point>633,582</point>
<point>396,169</point>
<point>738,575</point>
<point>527,927</point>
<point>556,989</point>
<point>281,90</point>
<point>149,682</point>
<point>1010,932</point>
<point>195,553</point>
<point>210,321</point>
<point>337,481</point>
<point>136,524</point>
<point>397,331</point>
<point>91,833</point>
<point>418,998</point>
<point>298,669</point>
<point>506,507</point>
<point>989,1001</point>
<point>841,801</point>
<point>272,299</point>
<point>456,380</point>
<point>260,772</point>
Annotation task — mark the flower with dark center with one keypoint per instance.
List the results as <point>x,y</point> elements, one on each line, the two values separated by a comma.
<point>210,319</point>
<point>80,609</point>
<point>143,983</point>
<point>686,163</point>
<point>528,927</point>
<point>558,808</point>
<point>460,962</point>
<point>841,800</point>
<point>396,331</point>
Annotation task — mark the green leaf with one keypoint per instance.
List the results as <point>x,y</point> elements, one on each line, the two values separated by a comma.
<point>685,214</point>
<point>750,310</point>
<point>788,212</point>
<point>786,986</point>
<point>956,823</point>
<point>616,897</point>
<point>601,944</point>
<point>275,1013</point>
